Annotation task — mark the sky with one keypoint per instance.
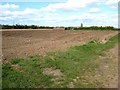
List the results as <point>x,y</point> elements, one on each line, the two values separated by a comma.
<point>59,12</point>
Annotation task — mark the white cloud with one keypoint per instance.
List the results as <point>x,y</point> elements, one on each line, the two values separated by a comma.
<point>15,13</point>
<point>29,14</point>
<point>44,15</point>
<point>8,6</point>
<point>112,2</point>
<point>5,18</point>
<point>94,10</point>
<point>35,15</point>
<point>4,9</point>
<point>69,5</point>
<point>18,14</point>
<point>113,7</point>
<point>99,19</point>
<point>27,11</point>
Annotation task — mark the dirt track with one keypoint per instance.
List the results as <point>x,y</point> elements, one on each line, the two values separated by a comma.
<point>38,42</point>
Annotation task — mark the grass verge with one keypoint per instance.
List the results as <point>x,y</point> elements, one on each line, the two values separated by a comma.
<point>78,65</point>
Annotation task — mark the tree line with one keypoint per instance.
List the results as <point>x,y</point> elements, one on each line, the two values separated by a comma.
<point>48,27</point>
<point>92,28</point>
<point>25,27</point>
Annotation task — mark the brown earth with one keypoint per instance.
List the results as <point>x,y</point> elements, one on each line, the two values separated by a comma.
<point>115,53</point>
<point>38,42</point>
<point>24,43</point>
<point>109,67</point>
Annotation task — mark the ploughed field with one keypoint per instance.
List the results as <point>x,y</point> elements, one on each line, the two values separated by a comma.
<point>60,59</point>
<point>24,43</point>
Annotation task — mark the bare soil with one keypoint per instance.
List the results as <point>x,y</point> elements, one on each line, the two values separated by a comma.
<point>51,71</point>
<point>109,68</point>
<point>24,43</point>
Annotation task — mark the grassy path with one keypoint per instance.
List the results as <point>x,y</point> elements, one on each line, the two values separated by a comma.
<point>77,67</point>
